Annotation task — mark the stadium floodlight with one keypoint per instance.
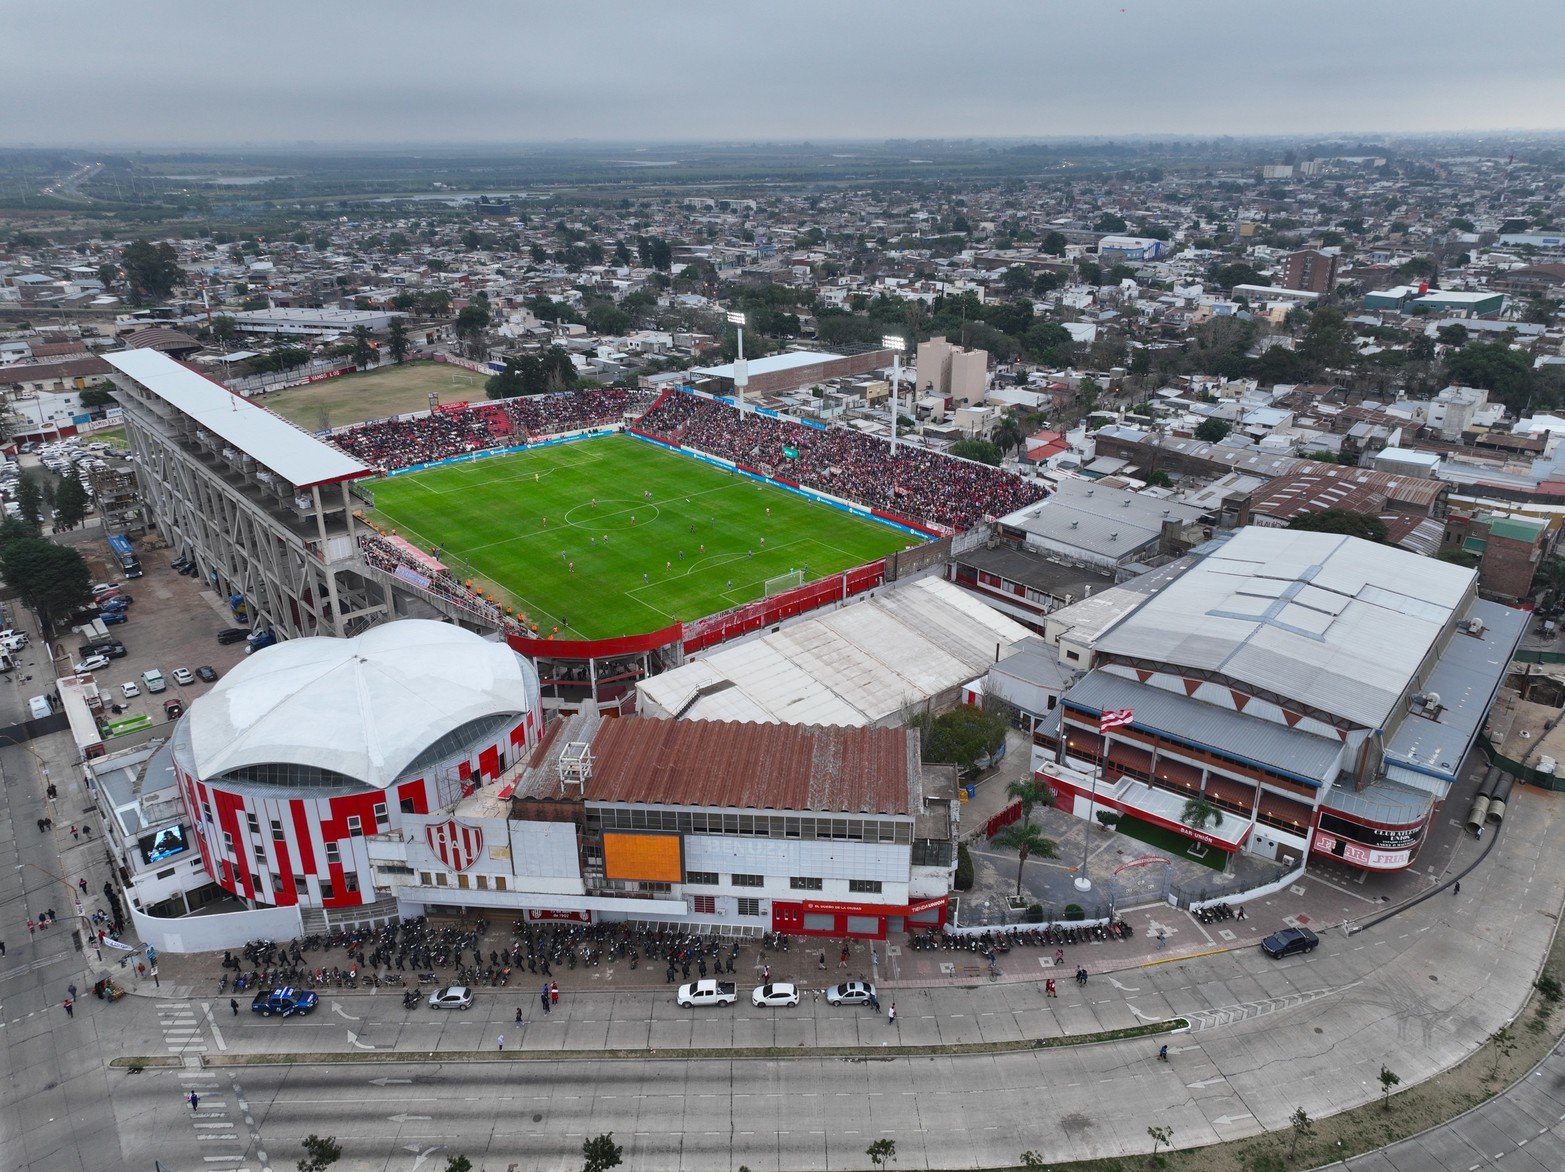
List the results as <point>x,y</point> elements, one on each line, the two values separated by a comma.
<point>741,368</point>
<point>896,345</point>
<point>735,318</point>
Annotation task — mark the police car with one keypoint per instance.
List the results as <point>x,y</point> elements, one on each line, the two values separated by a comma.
<point>284,1002</point>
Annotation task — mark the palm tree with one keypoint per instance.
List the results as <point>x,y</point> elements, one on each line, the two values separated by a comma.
<point>1007,435</point>
<point>1030,792</point>
<point>1026,840</point>
<point>1198,812</point>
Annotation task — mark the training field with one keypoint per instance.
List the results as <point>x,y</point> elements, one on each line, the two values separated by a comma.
<point>391,390</point>
<point>521,522</point>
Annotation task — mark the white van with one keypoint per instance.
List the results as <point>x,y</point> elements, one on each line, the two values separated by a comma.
<point>13,640</point>
<point>40,707</point>
<point>154,680</point>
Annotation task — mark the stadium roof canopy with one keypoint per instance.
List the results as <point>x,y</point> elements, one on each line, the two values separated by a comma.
<point>865,664</point>
<point>293,454</point>
<point>792,360</point>
<point>1330,622</point>
<point>364,707</point>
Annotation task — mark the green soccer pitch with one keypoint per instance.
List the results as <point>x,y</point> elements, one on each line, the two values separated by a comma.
<point>568,535</point>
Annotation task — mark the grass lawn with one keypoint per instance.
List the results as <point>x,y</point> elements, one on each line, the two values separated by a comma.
<point>1167,840</point>
<point>392,390</point>
<point>695,548</point>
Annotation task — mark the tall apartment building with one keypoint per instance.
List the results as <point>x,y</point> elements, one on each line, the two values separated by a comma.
<point>952,372</point>
<point>1310,270</point>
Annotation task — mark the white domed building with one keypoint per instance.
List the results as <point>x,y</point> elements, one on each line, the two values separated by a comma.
<point>307,748</point>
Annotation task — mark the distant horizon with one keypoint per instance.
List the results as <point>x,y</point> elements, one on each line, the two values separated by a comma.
<point>447,145</point>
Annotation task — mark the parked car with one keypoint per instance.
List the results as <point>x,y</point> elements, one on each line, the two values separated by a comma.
<point>129,689</point>
<point>112,618</point>
<point>173,708</point>
<point>850,993</point>
<point>103,588</point>
<point>707,993</point>
<point>113,648</point>
<point>206,674</point>
<point>91,663</point>
<point>115,602</point>
<point>233,635</point>
<point>1289,941</point>
<point>182,676</point>
<point>154,680</point>
<point>775,995</point>
<point>451,997</point>
<point>284,1002</point>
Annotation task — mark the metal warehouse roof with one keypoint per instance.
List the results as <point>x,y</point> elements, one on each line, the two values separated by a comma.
<point>1285,750</point>
<point>792,360</point>
<point>1109,522</point>
<point>863,664</point>
<point>1328,622</point>
<point>756,766</point>
<point>295,455</point>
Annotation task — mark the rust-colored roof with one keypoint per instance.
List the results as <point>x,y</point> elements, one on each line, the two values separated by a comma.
<point>755,766</point>
<point>48,372</point>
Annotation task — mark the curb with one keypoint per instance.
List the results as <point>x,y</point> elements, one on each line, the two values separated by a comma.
<point>687,1054</point>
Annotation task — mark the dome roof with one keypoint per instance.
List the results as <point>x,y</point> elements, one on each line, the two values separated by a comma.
<point>364,707</point>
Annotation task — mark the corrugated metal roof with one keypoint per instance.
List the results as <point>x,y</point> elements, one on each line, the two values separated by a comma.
<point>858,665</point>
<point>1286,750</point>
<point>756,766</point>
<point>1329,622</point>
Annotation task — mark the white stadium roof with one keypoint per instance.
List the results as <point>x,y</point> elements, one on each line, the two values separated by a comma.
<point>364,707</point>
<point>295,455</point>
<point>1333,623</point>
<point>861,665</point>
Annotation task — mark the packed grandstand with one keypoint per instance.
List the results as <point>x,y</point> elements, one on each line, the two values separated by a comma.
<point>911,482</point>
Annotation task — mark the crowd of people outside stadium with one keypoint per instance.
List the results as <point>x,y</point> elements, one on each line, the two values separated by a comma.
<point>912,483</point>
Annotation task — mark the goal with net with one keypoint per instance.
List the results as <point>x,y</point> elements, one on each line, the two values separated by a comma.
<point>784,582</point>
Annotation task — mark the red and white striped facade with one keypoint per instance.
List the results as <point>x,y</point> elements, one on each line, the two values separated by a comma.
<point>273,847</point>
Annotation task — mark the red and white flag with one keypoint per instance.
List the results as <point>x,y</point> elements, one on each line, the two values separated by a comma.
<point>1114,718</point>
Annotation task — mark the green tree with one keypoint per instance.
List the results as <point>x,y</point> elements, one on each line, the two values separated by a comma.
<point>961,737</point>
<point>53,580</point>
<point>964,869</point>
<point>1157,478</point>
<point>320,1153</point>
<point>601,1153</point>
<point>1495,367</point>
<point>1026,840</point>
<point>881,1152</point>
<point>151,270</point>
<point>1030,792</point>
<point>1236,273</point>
<point>980,450</point>
<point>471,325</point>
<point>1198,812</point>
<point>70,504</point>
<point>1370,528</point>
<point>96,396</point>
<point>363,347</point>
<point>1053,243</point>
<point>459,1164</point>
<point>1454,335</point>
<point>1008,435</point>
<point>1303,1128</point>
<point>1109,222</point>
<point>509,382</point>
<point>1389,1079</point>
<point>1017,279</point>
<point>1160,1136</point>
<point>1212,429</point>
<point>1504,1042</point>
<point>1031,1159</point>
<point>1049,342</point>
<point>397,340</point>
<point>1328,341</point>
<point>29,501</point>
<point>224,327</point>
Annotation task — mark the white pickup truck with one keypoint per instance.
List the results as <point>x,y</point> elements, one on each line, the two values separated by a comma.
<point>707,993</point>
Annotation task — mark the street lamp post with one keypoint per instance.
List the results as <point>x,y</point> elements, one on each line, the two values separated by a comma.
<point>741,368</point>
<point>896,345</point>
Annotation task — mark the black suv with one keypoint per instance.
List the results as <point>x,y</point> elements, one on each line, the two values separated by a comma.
<point>112,648</point>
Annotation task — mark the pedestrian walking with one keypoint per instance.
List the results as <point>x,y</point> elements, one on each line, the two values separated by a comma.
<point>2,947</point>
<point>1048,988</point>
<point>71,989</point>
<point>74,833</point>
<point>1162,1053</point>
<point>554,993</point>
<point>70,1007</point>
<point>193,1099</point>
<point>823,959</point>
<point>842,959</point>
<point>82,883</point>
<point>874,1002</point>
<point>1456,890</point>
<point>31,927</point>
<point>891,1014</point>
<point>544,999</point>
<point>234,1006</point>
<point>1059,957</point>
<point>502,1043</point>
<point>519,1019</point>
<point>1161,939</point>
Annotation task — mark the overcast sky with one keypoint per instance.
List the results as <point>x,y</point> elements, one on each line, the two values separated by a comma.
<point>282,71</point>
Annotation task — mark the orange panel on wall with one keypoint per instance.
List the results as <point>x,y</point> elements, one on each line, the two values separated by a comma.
<point>654,858</point>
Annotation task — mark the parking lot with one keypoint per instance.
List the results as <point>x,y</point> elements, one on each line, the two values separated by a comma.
<point>173,623</point>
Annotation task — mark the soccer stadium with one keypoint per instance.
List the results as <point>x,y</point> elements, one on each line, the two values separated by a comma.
<point>615,535</point>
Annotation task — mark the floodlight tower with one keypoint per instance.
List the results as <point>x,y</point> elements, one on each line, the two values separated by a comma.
<point>741,370</point>
<point>896,345</point>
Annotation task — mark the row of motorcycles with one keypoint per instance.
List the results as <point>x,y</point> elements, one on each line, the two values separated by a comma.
<point>1042,936</point>
<point>1215,912</point>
